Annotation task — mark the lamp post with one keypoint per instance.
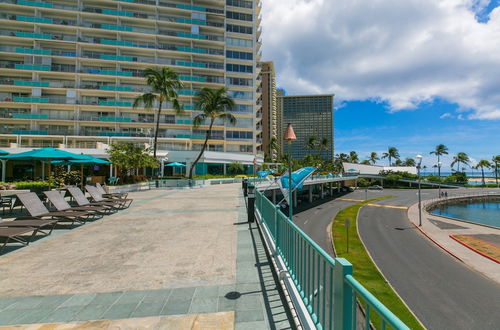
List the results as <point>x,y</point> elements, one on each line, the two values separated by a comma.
<point>419,164</point>
<point>290,136</point>
<point>439,184</point>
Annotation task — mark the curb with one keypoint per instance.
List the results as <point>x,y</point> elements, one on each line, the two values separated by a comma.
<point>474,249</point>
<point>438,244</point>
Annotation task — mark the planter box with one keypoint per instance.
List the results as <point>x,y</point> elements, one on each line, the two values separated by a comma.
<point>128,187</point>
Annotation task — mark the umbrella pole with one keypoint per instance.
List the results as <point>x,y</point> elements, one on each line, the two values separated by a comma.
<point>81,174</point>
<point>49,173</point>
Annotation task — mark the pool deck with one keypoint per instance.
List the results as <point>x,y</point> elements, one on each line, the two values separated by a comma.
<point>438,229</point>
<point>174,259</point>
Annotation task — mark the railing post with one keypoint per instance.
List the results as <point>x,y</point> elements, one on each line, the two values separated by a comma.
<point>276,208</point>
<point>251,207</point>
<point>342,296</point>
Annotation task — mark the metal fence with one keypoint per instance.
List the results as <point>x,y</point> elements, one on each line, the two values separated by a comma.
<point>327,289</point>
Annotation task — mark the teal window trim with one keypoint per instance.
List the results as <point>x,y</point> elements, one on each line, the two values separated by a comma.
<point>116,27</point>
<point>191,64</point>
<point>116,57</point>
<point>189,7</point>
<point>117,12</point>
<point>27,132</point>
<point>34,19</point>
<point>32,67</point>
<point>34,3</point>
<point>29,116</point>
<point>33,35</point>
<point>115,88</point>
<point>31,83</point>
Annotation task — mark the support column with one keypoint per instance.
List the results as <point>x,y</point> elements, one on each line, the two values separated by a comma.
<point>321,190</point>
<point>331,189</point>
<point>338,186</point>
<point>295,198</point>
<point>4,169</point>
<point>274,196</point>
<point>162,169</point>
<point>311,193</point>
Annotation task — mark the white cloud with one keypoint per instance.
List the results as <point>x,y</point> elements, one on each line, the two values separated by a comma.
<point>402,52</point>
<point>446,115</point>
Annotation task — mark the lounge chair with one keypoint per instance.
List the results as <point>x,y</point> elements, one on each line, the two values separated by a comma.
<point>58,201</point>
<point>104,194</point>
<point>35,223</point>
<point>15,234</point>
<point>81,200</point>
<point>96,196</point>
<point>36,209</point>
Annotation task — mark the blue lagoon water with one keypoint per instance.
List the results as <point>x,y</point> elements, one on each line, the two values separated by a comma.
<point>487,213</point>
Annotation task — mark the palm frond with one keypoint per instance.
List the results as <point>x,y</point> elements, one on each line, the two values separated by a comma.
<point>228,117</point>
<point>147,100</point>
<point>199,120</point>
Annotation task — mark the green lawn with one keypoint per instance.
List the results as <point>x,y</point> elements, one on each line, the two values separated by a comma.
<point>364,269</point>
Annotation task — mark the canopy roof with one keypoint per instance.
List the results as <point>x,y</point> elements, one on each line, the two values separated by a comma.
<point>3,152</point>
<point>86,160</point>
<point>44,154</point>
<point>176,164</point>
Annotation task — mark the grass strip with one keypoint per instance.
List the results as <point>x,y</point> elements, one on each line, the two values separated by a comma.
<point>480,245</point>
<point>364,269</point>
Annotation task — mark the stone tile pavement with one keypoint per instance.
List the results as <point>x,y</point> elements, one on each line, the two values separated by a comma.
<point>174,252</point>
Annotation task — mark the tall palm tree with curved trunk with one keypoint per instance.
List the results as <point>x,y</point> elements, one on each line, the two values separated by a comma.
<point>440,150</point>
<point>391,153</point>
<point>460,158</point>
<point>353,157</point>
<point>482,164</point>
<point>215,104</point>
<point>163,82</point>
<point>496,164</point>
<point>373,158</point>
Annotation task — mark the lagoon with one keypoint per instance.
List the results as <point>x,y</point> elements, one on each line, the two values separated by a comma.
<point>487,213</point>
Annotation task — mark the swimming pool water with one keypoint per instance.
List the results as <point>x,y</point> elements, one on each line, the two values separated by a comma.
<point>487,213</point>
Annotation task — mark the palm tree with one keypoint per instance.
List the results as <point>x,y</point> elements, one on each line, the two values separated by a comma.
<point>440,150</point>
<point>215,104</point>
<point>391,153</point>
<point>353,157</point>
<point>460,158</point>
<point>496,164</point>
<point>273,147</point>
<point>324,145</point>
<point>409,162</point>
<point>312,143</point>
<point>373,158</point>
<point>482,164</point>
<point>163,83</point>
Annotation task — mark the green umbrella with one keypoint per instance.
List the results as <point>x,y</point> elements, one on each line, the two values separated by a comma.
<point>44,154</point>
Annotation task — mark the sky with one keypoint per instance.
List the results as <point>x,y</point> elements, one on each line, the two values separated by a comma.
<point>407,74</point>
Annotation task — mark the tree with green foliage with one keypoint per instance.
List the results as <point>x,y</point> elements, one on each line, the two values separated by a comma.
<point>236,168</point>
<point>312,142</point>
<point>365,162</point>
<point>409,162</point>
<point>373,158</point>
<point>460,158</point>
<point>496,165</point>
<point>274,148</point>
<point>353,157</point>
<point>129,157</point>
<point>338,161</point>
<point>164,84</point>
<point>214,104</point>
<point>392,153</point>
<point>481,165</point>
<point>324,144</point>
<point>439,151</point>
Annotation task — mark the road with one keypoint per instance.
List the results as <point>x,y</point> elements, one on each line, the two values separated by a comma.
<point>441,291</point>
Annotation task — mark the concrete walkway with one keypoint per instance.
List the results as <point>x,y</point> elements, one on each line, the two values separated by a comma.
<point>173,252</point>
<point>438,230</point>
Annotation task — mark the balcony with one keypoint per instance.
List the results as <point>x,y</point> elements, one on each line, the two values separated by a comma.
<point>115,103</point>
<point>31,83</point>
<point>116,119</point>
<point>115,88</point>
<point>28,99</point>
<point>29,116</point>
<point>35,4</point>
<point>29,132</point>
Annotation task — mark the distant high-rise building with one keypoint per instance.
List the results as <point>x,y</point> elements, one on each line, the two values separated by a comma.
<point>70,70</point>
<point>310,116</point>
<point>270,128</point>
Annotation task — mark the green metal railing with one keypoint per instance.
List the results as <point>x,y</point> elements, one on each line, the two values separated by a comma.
<point>326,286</point>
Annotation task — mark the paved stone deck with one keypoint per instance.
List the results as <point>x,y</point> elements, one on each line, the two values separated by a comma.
<point>173,252</point>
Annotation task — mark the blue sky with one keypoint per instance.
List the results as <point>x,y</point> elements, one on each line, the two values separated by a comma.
<point>366,126</point>
<point>410,74</point>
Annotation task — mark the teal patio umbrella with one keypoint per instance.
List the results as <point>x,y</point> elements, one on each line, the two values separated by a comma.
<point>44,154</point>
<point>3,152</point>
<point>86,160</point>
<point>175,164</point>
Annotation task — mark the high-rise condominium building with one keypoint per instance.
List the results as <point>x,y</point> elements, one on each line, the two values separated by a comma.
<point>70,70</point>
<point>269,110</point>
<point>310,116</point>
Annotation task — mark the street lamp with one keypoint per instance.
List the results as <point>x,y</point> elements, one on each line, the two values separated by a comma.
<point>419,164</point>
<point>439,184</point>
<point>290,136</point>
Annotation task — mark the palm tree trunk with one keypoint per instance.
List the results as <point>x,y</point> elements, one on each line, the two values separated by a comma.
<point>482,174</point>
<point>209,131</point>
<point>156,131</point>
<point>439,169</point>
<point>496,174</point>
<point>389,161</point>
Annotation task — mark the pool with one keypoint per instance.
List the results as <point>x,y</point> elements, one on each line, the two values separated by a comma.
<point>486,213</point>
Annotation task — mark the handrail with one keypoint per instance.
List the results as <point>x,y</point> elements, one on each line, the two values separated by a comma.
<point>325,285</point>
<point>372,301</point>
